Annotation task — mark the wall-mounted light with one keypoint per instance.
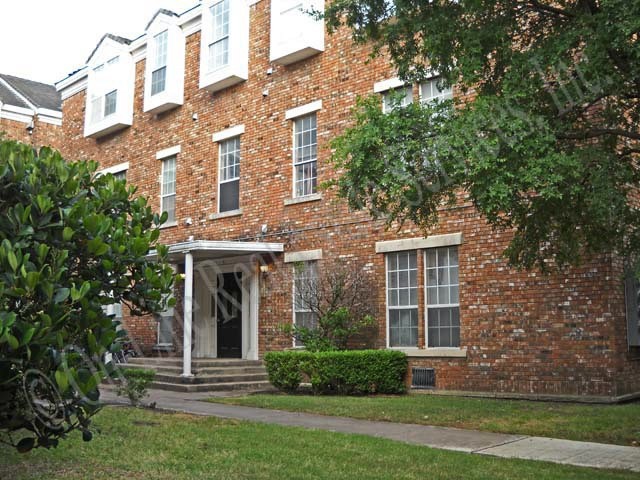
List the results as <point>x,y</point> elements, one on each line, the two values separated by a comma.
<point>30,127</point>
<point>264,268</point>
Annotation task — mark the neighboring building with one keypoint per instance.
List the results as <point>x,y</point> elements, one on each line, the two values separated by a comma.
<point>222,115</point>
<point>30,112</point>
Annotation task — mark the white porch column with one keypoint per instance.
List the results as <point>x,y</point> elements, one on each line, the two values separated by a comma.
<point>188,314</point>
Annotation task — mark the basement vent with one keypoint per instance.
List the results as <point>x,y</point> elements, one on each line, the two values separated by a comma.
<point>423,377</point>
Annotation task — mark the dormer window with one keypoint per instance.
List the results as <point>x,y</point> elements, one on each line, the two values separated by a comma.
<point>159,74</point>
<point>295,33</point>
<point>224,49</point>
<point>110,87</point>
<point>164,76</point>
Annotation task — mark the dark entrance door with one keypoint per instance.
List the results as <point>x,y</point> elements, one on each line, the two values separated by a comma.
<point>229,315</point>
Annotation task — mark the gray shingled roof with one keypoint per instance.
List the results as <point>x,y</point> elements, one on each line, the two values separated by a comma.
<point>164,11</point>
<point>124,41</point>
<point>39,94</point>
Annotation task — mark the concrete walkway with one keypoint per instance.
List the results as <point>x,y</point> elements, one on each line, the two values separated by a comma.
<point>583,454</point>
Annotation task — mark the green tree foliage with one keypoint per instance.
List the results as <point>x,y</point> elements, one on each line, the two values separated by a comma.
<point>545,144</point>
<point>71,243</point>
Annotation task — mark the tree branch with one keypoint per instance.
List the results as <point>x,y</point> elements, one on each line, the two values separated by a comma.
<point>539,7</point>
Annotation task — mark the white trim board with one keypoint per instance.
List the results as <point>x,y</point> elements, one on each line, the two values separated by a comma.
<point>303,256</point>
<point>432,241</point>
<point>228,133</point>
<point>168,152</point>
<point>303,110</point>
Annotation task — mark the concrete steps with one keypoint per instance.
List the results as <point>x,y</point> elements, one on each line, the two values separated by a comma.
<point>209,375</point>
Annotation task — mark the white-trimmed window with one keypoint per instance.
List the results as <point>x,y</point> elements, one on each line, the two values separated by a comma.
<point>305,155</point>
<point>402,298</point>
<point>397,98</point>
<point>219,46</point>
<point>103,103</point>
<point>165,328</point>
<point>295,35</point>
<point>305,275</point>
<point>229,189</point>
<point>224,43</point>
<point>159,72</point>
<point>442,297</point>
<point>121,175</point>
<point>429,91</point>
<point>168,188</point>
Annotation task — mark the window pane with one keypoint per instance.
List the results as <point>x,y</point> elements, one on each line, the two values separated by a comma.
<point>110,101</point>
<point>230,196</point>
<point>165,330</point>
<point>169,206</point>
<point>219,46</point>
<point>161,49</point>
<point>305,153</point>
<point>158,81</point>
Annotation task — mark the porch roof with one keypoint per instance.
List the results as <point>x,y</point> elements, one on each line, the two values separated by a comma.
<point>219,249</point>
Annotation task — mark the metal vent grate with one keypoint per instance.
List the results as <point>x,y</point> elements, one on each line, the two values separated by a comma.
<point>423,377</point>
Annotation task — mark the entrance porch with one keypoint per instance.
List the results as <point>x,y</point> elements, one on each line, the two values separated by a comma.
<point>221,298</point>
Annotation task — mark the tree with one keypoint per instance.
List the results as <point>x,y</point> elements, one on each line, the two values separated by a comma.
<point>338,304</point>
<point>545,143</point>
<point>71,243</point>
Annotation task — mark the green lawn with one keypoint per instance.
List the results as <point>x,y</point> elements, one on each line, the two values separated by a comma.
<point>619,424</point>
<point>141,444</point>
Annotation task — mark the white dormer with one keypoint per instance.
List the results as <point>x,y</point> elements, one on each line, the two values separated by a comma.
<point>111,81</point>
<point>224,43</point>
<point>164,75</point>
<point>295,34</point>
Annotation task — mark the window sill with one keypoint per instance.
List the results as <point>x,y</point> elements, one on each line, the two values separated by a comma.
<point>307,198</point>
<point>434,352</point>
<point>168,225</point>
<point>230,213</point>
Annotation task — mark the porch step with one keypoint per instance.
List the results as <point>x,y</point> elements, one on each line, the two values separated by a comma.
<point>177,371</point>
<point>210,374</point>
<point>226,378</point>
<point>213,387</point>
<point>152,362</point>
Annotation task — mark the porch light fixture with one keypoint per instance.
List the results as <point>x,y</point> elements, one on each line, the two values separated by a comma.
<point>264,268</point>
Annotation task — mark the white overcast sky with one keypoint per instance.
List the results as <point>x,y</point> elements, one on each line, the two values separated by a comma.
<point>45,40</point>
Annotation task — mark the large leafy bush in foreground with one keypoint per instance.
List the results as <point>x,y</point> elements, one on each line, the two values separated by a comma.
<point>71,242</point>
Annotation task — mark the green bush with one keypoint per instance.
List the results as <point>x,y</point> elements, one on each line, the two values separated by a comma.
<point>134,384</point>
<point>286,369</point>
<point>354,372</point>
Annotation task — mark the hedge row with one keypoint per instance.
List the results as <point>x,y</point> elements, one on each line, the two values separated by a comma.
<point>351,372</point>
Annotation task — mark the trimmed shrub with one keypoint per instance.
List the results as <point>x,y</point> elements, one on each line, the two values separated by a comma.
<point>351,372</point>
<point>135,383</point>
<point>286,369</point>
<point>359,372</point>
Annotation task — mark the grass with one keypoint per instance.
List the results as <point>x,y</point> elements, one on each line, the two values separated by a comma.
<point>141,444</point>
<point>616,424</point>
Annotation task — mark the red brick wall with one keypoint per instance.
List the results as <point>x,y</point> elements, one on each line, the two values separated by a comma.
<point>44,134</point>
<point>523,332</point>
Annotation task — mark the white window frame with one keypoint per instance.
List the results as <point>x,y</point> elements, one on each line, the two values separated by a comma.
<point>296,163</point>
<point>387,107</point>
<point>446,94</point>
<point>409,306</point>
<point>164,159</point>
<point>305,266</point>
<point>436,306</point>
<point>221,143</point>
<point>215,39</point>
<point>160,56</point>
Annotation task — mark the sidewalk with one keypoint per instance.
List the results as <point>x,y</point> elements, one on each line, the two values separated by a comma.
<point>583,454</point>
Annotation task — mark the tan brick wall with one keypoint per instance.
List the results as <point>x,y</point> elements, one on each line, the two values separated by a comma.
<point>523,332</point>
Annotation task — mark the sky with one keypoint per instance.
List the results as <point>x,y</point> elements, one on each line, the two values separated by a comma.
<point>45,40</point>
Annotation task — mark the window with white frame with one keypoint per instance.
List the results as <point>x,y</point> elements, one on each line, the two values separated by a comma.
<point>103,102</point>
<point>402,299</point>
<point>165,327</point>
<point>430,92</point>
<point>219,46</point>
<point>305,155</point>
<point>121,175</point>
<point>305,276</point>
<point>442,297</point>
<point>229,175</point>
<point>397,98</point>
<point>159,72</point>
<point>168,191</point>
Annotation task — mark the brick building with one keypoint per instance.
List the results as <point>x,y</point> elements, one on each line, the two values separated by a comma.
<point>30,112</point>
<point>222,116</point>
